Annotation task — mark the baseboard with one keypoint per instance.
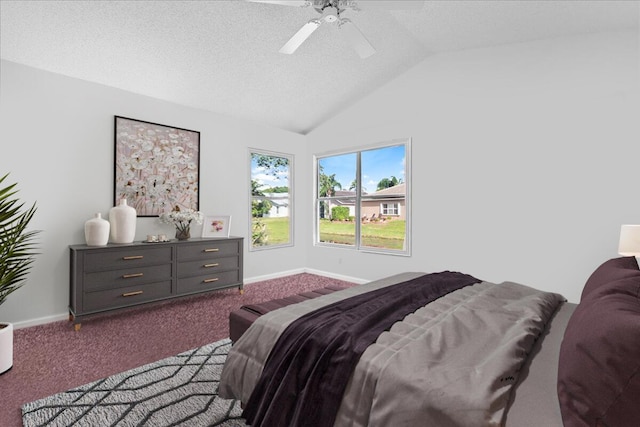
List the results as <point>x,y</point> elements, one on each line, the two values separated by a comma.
<point>247,281</point>
<point>336,276</point>
<point>40,321</point>
<point>305,270</point>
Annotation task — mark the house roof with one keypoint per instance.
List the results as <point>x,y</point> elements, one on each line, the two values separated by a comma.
<point>344,193</point>
<point>202,54</point>
<point>396,190</point>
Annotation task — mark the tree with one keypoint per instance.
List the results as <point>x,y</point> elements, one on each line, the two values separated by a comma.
<point>328,185</point>
<point>354,185</point>
<point>272,164</point>
<point>277,190</point>
<point>388,183</point>
<point>259,207</point>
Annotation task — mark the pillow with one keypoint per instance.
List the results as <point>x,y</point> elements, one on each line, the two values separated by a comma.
<point>599,364</point>
<point>612,270</point>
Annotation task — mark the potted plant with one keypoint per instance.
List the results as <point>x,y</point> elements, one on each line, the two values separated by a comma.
<point>17,251</point>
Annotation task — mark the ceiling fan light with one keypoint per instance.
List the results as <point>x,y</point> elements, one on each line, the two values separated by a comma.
<point>330,19</point>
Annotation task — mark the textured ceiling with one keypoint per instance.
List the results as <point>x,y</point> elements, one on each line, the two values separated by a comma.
<point>222,56</point>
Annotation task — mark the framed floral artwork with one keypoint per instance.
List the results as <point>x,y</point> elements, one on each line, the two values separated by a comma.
<point>216,226</point>
<point>156,166</point>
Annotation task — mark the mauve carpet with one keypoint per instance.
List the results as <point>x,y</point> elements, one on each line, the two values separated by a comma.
<point>52,358</point>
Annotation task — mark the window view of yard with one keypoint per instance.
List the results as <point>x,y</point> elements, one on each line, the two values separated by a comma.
<point>276,230</point>
<point>382,234</point>
<point>271,219</point>
<point>361,199</point>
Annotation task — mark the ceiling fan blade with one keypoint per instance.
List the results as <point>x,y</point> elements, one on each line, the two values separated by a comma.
<point>299,37</point>
<point>297,3</point>
<point>357,40</point>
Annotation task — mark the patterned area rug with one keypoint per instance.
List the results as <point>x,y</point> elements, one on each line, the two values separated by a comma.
<point>179,390</point>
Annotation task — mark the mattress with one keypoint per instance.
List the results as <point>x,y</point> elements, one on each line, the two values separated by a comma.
<point>533,403</point>
<point>535,399</point>
<point>580,367</point>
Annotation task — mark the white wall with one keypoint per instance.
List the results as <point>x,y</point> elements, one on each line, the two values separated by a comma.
<point>526,160</point>
<point>57,143</point>
<point>525,163</point>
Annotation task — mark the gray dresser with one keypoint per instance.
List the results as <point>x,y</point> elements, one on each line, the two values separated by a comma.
<point>116,276</point>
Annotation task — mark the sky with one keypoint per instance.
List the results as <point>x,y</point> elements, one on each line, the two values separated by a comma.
<point>377,163</point>
<point>268,178</point>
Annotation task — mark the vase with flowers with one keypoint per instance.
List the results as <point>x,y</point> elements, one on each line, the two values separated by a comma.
<point>182,219</point>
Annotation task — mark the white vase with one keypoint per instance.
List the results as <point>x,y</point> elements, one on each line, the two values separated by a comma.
<point>123,222</point>
<point>96,231</point>
<point>6,347</point>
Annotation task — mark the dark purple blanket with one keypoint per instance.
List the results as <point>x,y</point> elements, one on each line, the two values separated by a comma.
<point>307,371</point>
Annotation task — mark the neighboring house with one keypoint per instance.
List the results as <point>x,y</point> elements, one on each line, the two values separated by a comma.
<point>279,205</point>
<point>348,199</point>
<point>388,202</point>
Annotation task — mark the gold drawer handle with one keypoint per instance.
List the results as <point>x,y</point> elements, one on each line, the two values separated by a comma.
<point>129,276</point>
<point>127,258</point>
<point>211,280</point>
<point>131,294</point>
<point>215,264</point>
<point>211,250</point>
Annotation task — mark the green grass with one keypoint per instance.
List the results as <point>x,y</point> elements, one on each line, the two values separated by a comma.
<point>386,234</point>
<point>277,230</point>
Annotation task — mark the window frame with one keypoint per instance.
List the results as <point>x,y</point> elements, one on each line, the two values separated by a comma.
<point>290,172</point>
<point>384,208</point>
<point>357,246</point>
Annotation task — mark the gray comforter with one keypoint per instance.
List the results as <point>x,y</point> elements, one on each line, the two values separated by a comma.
<point>451,363</point>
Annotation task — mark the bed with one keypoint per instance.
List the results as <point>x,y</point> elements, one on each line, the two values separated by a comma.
<point>479,354</point>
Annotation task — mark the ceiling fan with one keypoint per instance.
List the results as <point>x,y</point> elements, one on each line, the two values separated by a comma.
<point>330,12</point>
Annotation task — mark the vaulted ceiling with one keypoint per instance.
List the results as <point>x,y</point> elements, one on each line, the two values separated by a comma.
<point>222,56</point>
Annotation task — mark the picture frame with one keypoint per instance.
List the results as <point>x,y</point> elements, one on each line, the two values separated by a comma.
<point>156,167</point>
<point>216,226</point>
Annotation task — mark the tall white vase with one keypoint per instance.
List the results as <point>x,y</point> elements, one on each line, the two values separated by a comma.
<point>96,231</point>
<point>6,347</point>
<point>123,222</point>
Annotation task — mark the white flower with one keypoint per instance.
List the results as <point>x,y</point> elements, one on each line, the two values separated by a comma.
<point>181,218</point>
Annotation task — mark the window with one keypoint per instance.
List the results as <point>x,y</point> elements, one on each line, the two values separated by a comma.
<point>271,200</point>
<point>390,209</point>
<point>362,198</point>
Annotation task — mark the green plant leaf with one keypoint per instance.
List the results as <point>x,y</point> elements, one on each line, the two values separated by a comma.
<point>17,244</point>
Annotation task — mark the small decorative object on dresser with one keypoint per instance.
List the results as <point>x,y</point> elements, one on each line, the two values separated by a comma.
<point>118,276</point>
<point>182,220</point>
<point>96,231</point>
<point>123,222</point>
<point>216,226</point>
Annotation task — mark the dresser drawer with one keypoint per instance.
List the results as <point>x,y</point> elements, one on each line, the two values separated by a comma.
<point>208,282</point>
<point>126,277</point>
<point>123,297</point>
<point>207,250</point>
<point>116,276</point>
<point>113,259</point>
<point>207,266</point>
